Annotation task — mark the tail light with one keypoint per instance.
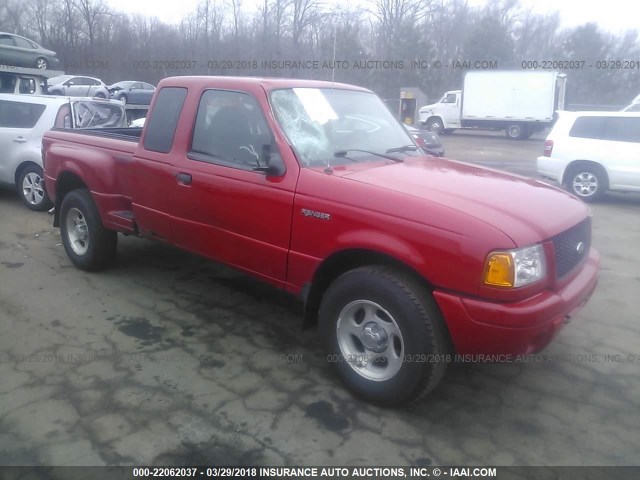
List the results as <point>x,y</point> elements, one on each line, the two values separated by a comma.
<point>548,148</point>
<point>420,141</point>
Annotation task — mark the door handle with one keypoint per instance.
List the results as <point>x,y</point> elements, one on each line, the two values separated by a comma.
<point>19,139</point>
<point>183,178</point>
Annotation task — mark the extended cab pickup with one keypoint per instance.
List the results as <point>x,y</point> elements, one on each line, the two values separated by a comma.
<point>403,259</point>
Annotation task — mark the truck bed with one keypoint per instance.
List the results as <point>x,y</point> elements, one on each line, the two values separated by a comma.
<point>105,156</point>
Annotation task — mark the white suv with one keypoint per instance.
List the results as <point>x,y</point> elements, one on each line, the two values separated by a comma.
<point>592,152</point>
<point>23,121</point>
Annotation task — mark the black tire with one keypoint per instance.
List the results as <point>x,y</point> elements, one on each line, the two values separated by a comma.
<point>32,190</point>
<point>434,124</point>
<point>99,95</point>
<point>41,63</point>
<point>516,131</point>
<point>424,339</point>
<point>123,98</point>
<point>101,245</point>
<point>587,182</point>
<point>449,131</point>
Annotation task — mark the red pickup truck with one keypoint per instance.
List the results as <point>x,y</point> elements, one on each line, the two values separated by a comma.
<point>406,261</point>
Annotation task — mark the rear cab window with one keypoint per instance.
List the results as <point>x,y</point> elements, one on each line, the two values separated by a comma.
<point>20,114</point>
<point>162,124</point>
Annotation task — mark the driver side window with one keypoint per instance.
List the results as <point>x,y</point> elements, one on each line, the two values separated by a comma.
<point>449,98</point>
<point>231,130</point>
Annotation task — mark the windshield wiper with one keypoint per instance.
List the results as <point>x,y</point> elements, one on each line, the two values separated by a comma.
<point>344,153</point>
<point>403,149</point>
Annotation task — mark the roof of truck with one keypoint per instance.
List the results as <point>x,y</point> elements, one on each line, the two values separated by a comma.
<point>268,83</point>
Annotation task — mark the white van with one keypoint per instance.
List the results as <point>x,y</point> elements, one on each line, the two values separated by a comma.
<point>592,152</point>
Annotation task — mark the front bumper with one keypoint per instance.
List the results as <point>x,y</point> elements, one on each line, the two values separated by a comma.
<point>487,328</point>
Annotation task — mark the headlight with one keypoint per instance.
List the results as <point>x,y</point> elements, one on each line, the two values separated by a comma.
<point>515,268</point>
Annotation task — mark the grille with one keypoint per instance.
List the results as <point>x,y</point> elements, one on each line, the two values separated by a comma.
<point>566,244</point>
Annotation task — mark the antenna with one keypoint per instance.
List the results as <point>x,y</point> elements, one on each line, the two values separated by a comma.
<point>335,34</point>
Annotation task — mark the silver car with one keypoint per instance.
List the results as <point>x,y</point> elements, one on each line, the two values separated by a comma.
<point>23,121</point>
<point>77,86</point>
<point>22,52</point>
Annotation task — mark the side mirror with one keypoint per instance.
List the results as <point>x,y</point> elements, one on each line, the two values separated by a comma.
<point>273,164</point>
<point>276,170</point>
<point>68,84</point>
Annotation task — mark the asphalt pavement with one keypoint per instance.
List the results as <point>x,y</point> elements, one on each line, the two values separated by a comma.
<point>170,359</point>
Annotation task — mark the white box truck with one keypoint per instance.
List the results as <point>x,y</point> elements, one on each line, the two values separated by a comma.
<point>520,103</point>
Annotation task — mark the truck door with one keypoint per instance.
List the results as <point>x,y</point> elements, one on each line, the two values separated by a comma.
<point>450,108</point>
<point>224,208</point>
<point>152,173</point>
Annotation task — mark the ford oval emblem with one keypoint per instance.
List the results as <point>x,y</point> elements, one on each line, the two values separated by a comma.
<point>580,248</point>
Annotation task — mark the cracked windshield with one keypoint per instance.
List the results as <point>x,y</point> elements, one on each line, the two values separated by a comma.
<point>334,126</point>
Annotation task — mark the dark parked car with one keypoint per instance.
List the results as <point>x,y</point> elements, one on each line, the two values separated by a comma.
<point>137,93</point>
<point>77,86</point>
<point>426,140</point>
<point>22,52</point>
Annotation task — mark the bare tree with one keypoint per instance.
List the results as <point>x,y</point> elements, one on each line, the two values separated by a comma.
<point>236,16</point>
<point>90,12</point>
<point>304,13</point>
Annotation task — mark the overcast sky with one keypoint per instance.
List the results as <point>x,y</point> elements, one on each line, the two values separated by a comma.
<point>613,15</point>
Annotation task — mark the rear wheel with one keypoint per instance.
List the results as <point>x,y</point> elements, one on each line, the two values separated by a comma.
<point>586,182</point>
<point>384,335</point>
<point>100,95</point>
<point>31,188</point>
<point>517,131</point>
<point>88,244</point>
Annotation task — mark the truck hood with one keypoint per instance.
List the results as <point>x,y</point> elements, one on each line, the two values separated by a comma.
<point>526,210</point>
<point>429,107</point>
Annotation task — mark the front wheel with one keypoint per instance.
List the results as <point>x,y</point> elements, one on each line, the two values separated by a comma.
<point>435,125</point>
<point>31,189</point>
<point>384,335</point>
<point>42,64</point>
<point>88,244</point>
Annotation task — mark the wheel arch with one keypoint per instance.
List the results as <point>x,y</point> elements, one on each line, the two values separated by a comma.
<point>439,117</point>
<point>67,182</point>
<point>341,262</point>
<point>577,163</point>
<point>20,168</point>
